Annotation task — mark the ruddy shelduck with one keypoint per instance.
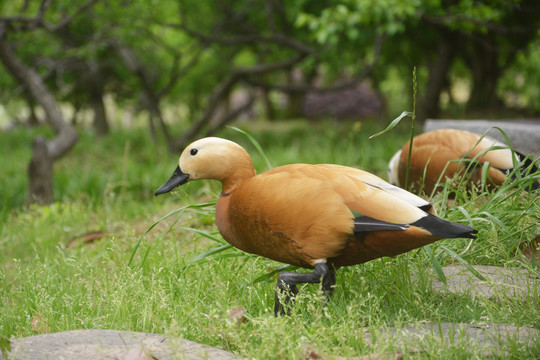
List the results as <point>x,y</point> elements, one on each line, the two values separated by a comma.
<point>444,154</point>
<point>318,217</point>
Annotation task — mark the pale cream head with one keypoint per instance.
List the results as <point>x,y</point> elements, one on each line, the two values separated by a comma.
<point>217,159</point>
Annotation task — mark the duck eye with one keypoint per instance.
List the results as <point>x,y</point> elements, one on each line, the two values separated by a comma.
<point>193,152</point>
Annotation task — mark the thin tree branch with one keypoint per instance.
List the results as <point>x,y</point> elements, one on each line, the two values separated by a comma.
<point>277,38</point>
<point>498,29</point>
<point>178,72</point>
<point>266,68</point>
<point>67,20</point>
<point>66,134</point>
<point>220,92</point>
<point>38,21</point>
<point>231,116</point>
<point>136,67</point>
<point>308,87</point>
<point>224,88</point>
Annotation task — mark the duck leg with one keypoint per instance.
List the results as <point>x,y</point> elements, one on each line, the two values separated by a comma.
<point>288,280</point>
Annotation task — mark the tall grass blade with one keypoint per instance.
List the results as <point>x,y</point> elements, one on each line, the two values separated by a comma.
<point>463,262</point>
<point>5,346</point>
<point>435,264</point>
<point>392,124</point>
<point>411,138</point>
<point>268,277</point>
<point>466,213</point>
<point>484,175</point>
<point>178,212</point>
<point>255,143</point>
<point>495,220</point>
<point>217,254</point>
<point>208,253</point>
<point>397,120</point>
<point>205,234</point>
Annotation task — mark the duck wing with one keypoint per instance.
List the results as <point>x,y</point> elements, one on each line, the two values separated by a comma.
<point>364,189</point>
<point>383,206</point>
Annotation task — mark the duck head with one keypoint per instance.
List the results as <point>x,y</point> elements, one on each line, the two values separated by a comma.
<point>211,158</point>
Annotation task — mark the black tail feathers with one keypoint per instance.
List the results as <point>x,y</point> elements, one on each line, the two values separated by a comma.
<point>527,167</point>
<point>445,229</point>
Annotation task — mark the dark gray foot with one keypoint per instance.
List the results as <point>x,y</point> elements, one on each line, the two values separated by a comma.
<point>288,280</point>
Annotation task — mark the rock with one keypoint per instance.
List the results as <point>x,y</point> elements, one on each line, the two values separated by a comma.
<point>136,353</point>
<point>374,356</point>
<point>485,334</point>
<point>350,103</point>
<point>524,135</point>
<point>500,282</point>
<point>110,344</point>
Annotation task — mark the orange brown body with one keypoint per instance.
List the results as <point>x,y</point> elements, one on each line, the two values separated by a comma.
<point>450,153</point>
<point>295,214</point>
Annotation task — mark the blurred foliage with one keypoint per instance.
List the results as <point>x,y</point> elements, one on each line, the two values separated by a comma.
<point>345,20</point>
<point>206,41</point>
<point>519,84</point>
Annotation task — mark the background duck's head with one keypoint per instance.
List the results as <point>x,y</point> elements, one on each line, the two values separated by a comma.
<point>211,158</point>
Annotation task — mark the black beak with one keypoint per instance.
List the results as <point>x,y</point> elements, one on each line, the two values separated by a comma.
<point>178,178</point>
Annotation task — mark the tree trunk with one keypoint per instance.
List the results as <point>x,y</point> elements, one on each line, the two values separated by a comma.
<point>66,136</point>
<point>437,82</point>
<point>295,99</point>
<point>32,120</point>
<point>40,173</point>
<point>95,88</point>
<point>485,74</point>
<point>269,108</point>
<point>101,125</point>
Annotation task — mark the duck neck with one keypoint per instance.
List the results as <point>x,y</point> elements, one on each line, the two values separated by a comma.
<point>239,176</point>
<point>230,186</point>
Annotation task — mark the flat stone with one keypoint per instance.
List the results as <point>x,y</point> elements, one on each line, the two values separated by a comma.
<point>500,282</point>
<point>524,135</point>
<point>110,344</point>
<point>488,335</point>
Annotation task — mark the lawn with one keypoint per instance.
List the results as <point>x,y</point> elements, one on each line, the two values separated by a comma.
<point>67,266</point>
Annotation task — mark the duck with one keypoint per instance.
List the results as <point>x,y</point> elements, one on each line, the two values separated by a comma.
<point>314,216</point>
<point>444,154</point>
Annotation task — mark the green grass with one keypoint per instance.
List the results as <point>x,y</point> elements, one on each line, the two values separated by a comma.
<point>52,280</point>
